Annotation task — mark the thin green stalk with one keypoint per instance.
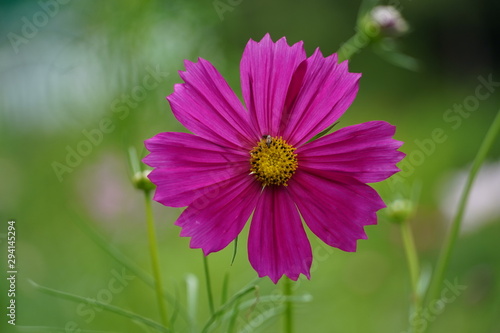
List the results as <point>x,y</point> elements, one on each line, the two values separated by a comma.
<point>232,320</point>
<point>192,300</point>
<point>247,289</point>
<point>44,329</point>
<point>288,313</point>
<point>121,258</point>
<point>112,251</point>
<point>153,249</point>
<point>209,286</point>
<point>225,288</point>
<point>105,306</point>
<point>411,256</point>
<point>444,258</point>
<point>357,42</point>
<point>413,267</point>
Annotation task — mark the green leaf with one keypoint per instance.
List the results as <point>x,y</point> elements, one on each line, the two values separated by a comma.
<point>264,318</point>
<point>48,329</point>
<point>276,299</point>
<point>323,133</point>
<point>133,160</point>
<point>424,280</point>
<point>235,250</point>
<point>118,256</point>
<point>451,238</point>
<point>108,307</point>
<point>226,306</point>
<point>192,287</point>
<point>232,318</point>
<point>388,51</point>
<point>225,288</point>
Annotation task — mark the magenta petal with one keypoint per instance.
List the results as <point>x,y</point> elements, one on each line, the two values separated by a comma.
<point>321,91</point>
<point>216,218</point>
<point>186,165</point>
<point>335,207</point>
<point>277,243</point>
<point>366,152</point>
<point>206,105</point>
<point>266,71</point>
<point>173,149</point>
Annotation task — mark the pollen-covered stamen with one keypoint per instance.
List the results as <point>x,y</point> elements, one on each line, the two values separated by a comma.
<point>273,161</point>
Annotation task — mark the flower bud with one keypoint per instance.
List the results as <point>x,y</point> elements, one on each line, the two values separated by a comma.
<point>389,21</point>
<point>142,182</point>
<point>400,210</point>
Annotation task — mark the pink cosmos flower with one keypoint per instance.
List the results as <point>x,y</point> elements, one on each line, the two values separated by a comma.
<point>259,159</point>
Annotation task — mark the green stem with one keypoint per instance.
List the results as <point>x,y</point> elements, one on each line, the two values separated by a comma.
<point>444,258</point>
<point>413,267</point>
<point>357,42</point>
<point>209,286</point>
<point>411,256</point>
<point>153,250</point>
<point>288,313</point>
<point>128,264</point>
<point>247,289</point>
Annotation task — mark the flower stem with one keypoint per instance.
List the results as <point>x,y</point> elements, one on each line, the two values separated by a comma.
<point>411,256</point>
<point>413,267</point>
<point>209,286</point>
<point>444,258</point>
<point>288,314</point>
<point>153,250</point>
<point>357,42</point>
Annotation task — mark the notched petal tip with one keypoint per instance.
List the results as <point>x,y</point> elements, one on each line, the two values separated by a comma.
<point>282,42</point>
<point>178,87</point>
<point>267,37</point>
<point>191,66</point>
<point>317,53</point>
<point>276,278</point>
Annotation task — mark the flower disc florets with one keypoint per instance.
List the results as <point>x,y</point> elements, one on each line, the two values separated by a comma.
<point>273,161</point>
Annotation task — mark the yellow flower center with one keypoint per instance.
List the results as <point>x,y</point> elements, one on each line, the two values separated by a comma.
<point>273,161</point>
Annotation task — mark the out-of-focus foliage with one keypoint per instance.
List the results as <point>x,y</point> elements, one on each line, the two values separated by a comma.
<point>83,81</point>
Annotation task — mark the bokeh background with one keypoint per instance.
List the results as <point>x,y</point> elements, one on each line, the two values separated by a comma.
<point>80,70</point>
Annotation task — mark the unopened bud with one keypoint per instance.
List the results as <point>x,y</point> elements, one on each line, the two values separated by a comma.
<point>400,210</point>
<point>142,182</point>
<point>389,20</point>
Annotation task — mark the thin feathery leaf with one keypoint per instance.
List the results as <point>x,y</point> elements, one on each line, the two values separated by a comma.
<point>192,289</point>
<point>246,290</point>
<point>108,307</point>
<point>46,329</point>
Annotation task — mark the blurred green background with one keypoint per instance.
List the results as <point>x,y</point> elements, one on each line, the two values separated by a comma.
<point>80,70</point>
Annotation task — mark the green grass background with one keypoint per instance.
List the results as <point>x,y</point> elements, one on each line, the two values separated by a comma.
<point>65,78</point>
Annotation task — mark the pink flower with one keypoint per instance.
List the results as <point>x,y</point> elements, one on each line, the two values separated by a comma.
<point>258,159</point>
